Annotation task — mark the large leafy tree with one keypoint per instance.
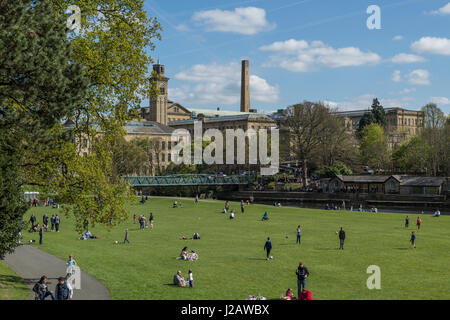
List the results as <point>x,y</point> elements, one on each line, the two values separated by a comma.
<point>374,148</point>
<point>39,87</point>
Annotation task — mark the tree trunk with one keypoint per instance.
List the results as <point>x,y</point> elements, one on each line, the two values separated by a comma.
<point>305,173</point>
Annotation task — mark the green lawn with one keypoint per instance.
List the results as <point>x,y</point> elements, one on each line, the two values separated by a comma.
<point>12,286</point>
<point>232,262</point>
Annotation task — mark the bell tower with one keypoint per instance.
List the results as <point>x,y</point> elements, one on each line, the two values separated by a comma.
<point>159,101</point>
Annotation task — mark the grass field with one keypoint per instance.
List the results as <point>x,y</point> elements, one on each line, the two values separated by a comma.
<point>12,286</point>
<point>232,262</point>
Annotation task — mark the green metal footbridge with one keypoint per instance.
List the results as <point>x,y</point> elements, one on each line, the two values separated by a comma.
<point>189,180</point>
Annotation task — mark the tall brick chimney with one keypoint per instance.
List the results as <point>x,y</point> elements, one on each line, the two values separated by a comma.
<point>245,87</point>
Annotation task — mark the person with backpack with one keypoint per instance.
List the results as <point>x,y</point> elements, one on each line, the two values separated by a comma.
<point>302,273</point>
<point>268,247</point>
<point>41,289</point>
<point>62,291</point>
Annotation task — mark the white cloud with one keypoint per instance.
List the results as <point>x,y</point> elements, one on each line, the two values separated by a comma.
<point>419,77</point>
<point>440,100</point>
<point>182,27</point>
<point>407,58</point>
<point>301,56</point>
<point>249,20</point>
<point>405,91</point>
<point>396,76</point>
<point>398,38</point>
<point>432,45</point>
<point>442,11</point>
<point>219,85</point>
<point>363,102</point>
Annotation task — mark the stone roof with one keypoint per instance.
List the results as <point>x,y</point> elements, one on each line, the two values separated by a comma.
<point>231,118</point>
<point>136,127</point>
<point>363,178</point>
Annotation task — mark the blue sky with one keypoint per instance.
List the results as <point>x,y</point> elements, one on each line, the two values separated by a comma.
<point>318,50</point>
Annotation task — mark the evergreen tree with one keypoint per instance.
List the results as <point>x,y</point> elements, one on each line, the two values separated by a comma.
<point>39,87</point>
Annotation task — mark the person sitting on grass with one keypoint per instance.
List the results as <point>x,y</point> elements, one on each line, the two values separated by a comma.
<point>196,236</point>
<point>306,295</point>
<point>288,295</point>
<point>265,216</point>
<point>175,204</point>
<point>437,213</point>
<point>232,214</point>
<point>183,254</point>
<point>178,280</point>
<point>192,256</point>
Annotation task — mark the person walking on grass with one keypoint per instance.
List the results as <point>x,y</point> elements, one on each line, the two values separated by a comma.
<point>151,218</point>
<point>52,221</point>
<point>341,238</point>
<point>126,237</point>
<point>407,222</point>
<point>413,239</point>
<point>299,235</point>
<point>302,273</point>
<point>134,218</point>
<point>242,206</point>
<point>268,247</point>
<point>419,222</point>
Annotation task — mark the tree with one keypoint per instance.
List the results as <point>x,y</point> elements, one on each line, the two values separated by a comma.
<point>337,144</point>
<point>434,117</point>
<point>375,115</point>
<point>374,149</point>
<point>306,123</point>
<point>412,156</point>
<point>39,86</point>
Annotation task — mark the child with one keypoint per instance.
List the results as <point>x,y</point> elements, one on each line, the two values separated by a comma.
<point>191,279</point>
<point>419,221</point>
<point>232,214</point>
<point>289,294</point>
<point>70,264</point>
<point>413,239</point>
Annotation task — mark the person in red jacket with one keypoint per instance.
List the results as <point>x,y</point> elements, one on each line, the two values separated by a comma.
<point>419,221</point>
<point>306,295</point>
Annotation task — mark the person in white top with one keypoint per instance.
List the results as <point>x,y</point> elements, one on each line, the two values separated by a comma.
<point>191,279</point>
<point>437,213</point>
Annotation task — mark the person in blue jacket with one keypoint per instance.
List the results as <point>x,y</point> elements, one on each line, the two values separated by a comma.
<point>268,247</point>
<point>265,216</point>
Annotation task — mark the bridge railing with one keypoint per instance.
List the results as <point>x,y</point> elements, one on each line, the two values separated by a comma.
<point>188,180</point>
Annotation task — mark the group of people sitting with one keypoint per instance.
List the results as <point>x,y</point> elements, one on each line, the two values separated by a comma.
<point>196,236</point>
<point>304,295</point>
<point>177,204</point>
<point>88,235</point>
<point>185,255</point>
<point>179,281</point>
